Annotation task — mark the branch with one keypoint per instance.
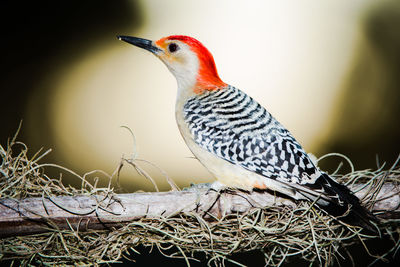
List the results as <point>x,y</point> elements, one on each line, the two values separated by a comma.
<point>45,223</point>
<point>38,215</point>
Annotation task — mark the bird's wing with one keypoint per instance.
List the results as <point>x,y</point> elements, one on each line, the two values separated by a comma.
<point>234,127</point>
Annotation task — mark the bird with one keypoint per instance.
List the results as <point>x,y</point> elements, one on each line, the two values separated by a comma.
<point>238,141</point>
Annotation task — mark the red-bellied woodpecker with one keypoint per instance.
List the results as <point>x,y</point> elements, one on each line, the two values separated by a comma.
<point>237,139</point>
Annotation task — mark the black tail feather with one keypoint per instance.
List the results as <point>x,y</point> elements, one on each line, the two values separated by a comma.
<point>344,205</point>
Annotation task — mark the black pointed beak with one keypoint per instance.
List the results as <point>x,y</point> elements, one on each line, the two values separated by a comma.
<point>139,42</point>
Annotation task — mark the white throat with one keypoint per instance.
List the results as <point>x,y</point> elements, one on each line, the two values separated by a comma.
<point>185,69</point>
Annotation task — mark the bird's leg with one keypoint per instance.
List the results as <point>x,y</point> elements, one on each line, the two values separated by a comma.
<point>197,187</point>
<point>219,188</point>
<point>216,187</point>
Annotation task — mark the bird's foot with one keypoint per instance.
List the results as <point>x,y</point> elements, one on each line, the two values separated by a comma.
<point>196,187</point>
<point>215,186</point>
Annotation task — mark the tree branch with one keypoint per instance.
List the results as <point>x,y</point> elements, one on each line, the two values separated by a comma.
<point>37,215</point>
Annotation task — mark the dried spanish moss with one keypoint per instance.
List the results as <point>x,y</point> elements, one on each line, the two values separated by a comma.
<point>280,232</point>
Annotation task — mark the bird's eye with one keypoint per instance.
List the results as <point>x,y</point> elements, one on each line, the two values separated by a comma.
<point>172,47</point>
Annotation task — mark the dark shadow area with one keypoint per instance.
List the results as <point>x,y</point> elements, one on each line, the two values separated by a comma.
<point>42,37</point>
<point>368,119</point>
<point>152,257</point>
<point>256,258</point>
<point>39,39</point>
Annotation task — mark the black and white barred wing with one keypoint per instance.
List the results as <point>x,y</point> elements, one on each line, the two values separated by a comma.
<point>234,127</point>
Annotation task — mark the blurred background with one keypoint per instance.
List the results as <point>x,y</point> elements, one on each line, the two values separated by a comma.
<point>328,70</point>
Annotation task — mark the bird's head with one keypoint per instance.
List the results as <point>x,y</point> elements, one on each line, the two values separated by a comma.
<point>189,61</point>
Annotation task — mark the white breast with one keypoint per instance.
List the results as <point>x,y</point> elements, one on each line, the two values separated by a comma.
<point>231,175</point>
